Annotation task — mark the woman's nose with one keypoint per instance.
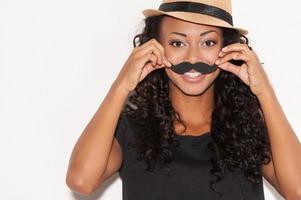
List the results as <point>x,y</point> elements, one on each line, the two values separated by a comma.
<point>193,55</point>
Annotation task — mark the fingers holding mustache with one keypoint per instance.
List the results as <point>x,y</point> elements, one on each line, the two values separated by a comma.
<point>230,68</point>
<point>153,59</point>
<point>162,59</point>
<point>150,48</point>
<point>234,56</point>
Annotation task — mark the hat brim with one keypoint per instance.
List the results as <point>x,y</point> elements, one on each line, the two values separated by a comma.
<point>195,18</point>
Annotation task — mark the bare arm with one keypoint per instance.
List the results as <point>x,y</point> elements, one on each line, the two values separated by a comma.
<point>96,156</point>
<point>285,170</point>
<point>92,151</point>
<point>286,148</point>
<point>268,173</point>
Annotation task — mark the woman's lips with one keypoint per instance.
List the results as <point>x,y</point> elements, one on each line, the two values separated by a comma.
<point>193,80</point>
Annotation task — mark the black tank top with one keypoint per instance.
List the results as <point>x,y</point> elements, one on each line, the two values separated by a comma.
<point>187,177</point>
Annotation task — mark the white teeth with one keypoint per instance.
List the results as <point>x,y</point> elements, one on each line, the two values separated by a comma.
<point>192,74</point>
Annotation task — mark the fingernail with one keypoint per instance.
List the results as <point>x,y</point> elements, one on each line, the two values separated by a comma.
<point>224,49</point>
<point>168,63</point>
<point>220,53</point>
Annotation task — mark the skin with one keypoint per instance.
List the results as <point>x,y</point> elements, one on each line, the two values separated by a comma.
<point>88,170</point>
<point>194,101</point>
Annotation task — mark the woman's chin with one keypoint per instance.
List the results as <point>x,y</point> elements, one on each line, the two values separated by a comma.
<point>194,91</point>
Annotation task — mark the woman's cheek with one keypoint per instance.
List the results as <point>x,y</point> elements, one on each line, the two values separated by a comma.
<point>212,56</point>
<point>175,56</point>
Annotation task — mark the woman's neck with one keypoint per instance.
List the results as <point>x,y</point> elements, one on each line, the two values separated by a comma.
<point>194,111</point>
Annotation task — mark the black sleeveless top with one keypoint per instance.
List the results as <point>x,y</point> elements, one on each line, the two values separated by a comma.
<point>187,177</point>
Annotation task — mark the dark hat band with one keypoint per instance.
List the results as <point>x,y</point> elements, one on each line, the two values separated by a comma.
<point>184,6</point>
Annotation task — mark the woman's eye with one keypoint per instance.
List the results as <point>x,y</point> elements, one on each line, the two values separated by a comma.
<point>209,43</point>
<point>176,43</point>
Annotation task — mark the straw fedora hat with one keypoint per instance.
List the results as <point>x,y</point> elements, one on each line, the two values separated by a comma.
<point>208,12</point>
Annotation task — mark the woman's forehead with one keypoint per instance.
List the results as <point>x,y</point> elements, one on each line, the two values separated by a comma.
<point>170,24</point>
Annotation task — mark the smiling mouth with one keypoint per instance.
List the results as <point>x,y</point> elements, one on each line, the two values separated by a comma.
<point>192,75</point>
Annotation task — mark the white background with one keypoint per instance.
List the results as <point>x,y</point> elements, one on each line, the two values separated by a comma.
<point>58,59</point>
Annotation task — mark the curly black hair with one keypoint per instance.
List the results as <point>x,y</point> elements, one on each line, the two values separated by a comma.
<point>238,128</point>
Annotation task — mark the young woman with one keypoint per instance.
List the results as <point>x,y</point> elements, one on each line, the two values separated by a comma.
<point>193,114</point>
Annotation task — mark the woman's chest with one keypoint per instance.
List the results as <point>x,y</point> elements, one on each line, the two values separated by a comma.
<point>186,177</point>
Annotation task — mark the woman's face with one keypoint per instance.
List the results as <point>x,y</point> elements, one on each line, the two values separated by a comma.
<point>185,41</point>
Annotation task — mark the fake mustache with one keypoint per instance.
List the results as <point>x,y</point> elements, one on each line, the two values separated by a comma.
<point>201,67</point>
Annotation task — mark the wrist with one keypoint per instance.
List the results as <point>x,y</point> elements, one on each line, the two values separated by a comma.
<point>119,89</point>
<point>267,93</point>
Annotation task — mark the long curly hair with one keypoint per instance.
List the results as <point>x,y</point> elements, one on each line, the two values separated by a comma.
<point>238,128</point>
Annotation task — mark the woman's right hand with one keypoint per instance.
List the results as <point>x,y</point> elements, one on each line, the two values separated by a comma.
<point>142,61</point>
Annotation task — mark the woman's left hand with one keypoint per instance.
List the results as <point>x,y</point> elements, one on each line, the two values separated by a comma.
<point>250,72</point>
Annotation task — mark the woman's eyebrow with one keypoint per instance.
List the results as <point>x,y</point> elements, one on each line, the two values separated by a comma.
<point>182,34</point>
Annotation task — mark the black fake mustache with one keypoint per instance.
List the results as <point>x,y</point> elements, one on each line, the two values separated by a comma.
<point>201,67</point>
